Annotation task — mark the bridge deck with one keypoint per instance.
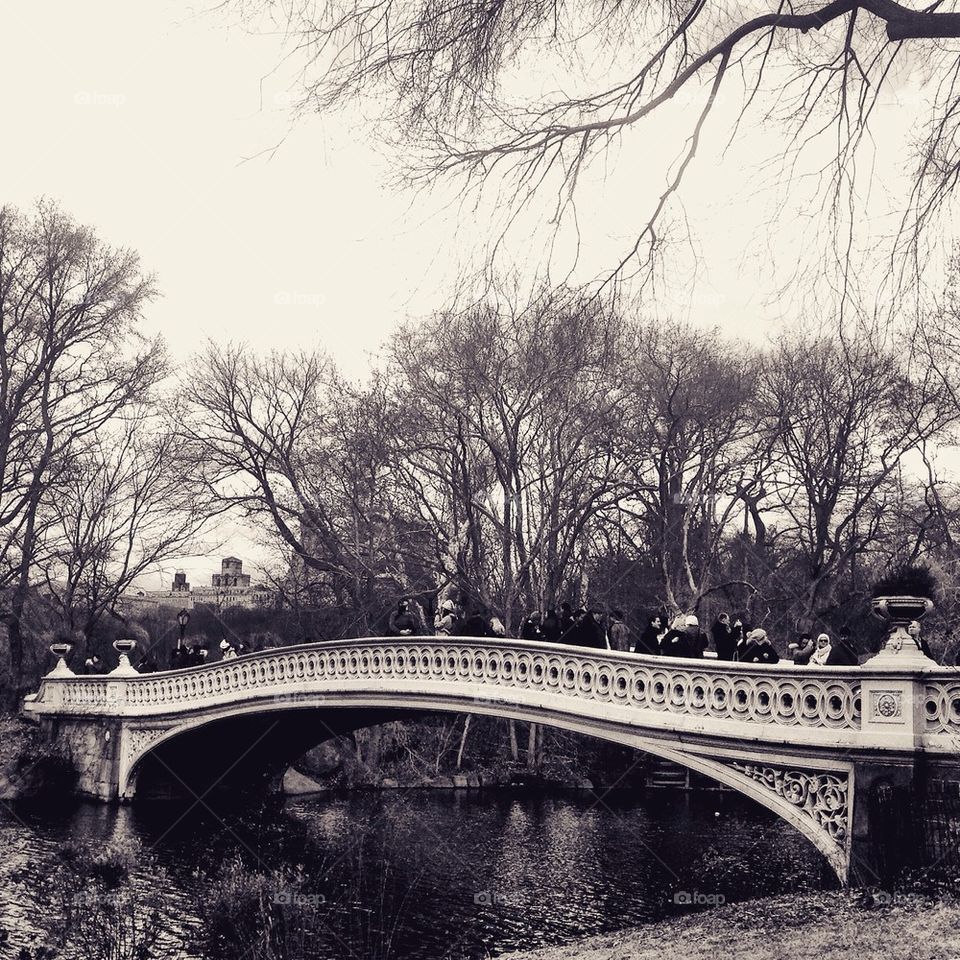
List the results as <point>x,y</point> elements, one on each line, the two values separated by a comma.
<point>782,703</point>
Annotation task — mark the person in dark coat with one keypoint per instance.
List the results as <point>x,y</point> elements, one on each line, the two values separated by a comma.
<point>477,624</point>
<point>573,633</point>
<point>567,618</point>
<point>550,628</point>
<point>618,633</point>
<point>760,649</point>
<point>696,642</point>
<point>842,652</point>
<point>736,634</point>
<point>674,641</point>
<point>684,638</point>
<point>178,658</point>
<point>530,627</point>
<point>648,643</point>
<point>402,621</point>
<point>722,634</point>
<point>919,639</point>
<point>147,664</point>
<point>588,631</point>
<point>803,649</point>
<point>743,643</point>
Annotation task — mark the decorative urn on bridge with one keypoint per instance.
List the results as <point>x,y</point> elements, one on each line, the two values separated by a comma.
<point>903,596</point>
<point>124,646</point>
<point>61,649</point>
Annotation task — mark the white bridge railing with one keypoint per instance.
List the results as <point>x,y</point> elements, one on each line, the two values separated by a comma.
<point>706,695</point>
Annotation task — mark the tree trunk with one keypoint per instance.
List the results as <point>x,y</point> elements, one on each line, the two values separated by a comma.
<point>532,760</point>
<point>463,740</point>
<point>15,645</point>
<point>374,737</point>
<point>514,749</point>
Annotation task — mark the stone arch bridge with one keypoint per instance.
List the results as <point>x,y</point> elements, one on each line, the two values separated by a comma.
<point>812,744</point>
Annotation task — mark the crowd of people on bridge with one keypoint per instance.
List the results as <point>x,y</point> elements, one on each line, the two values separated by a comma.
<point>728,639</point>
<point>732,640</point>
<point>181,656</point>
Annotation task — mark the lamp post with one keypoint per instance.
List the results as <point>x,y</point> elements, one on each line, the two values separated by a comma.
<point>183,618</point>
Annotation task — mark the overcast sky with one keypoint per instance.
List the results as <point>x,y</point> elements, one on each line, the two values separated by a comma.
<point>141,119</point>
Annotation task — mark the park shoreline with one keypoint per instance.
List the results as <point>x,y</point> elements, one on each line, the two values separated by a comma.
<point>833,925</point>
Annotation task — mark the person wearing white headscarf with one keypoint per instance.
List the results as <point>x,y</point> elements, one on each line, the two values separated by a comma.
<point>822,652</point>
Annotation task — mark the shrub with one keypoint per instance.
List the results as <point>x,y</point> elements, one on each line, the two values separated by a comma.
<point>907,580</point>
<point>90,906</point>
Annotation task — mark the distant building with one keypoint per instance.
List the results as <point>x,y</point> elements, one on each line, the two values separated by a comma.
<point>228,588</point>
<point>231,574</point>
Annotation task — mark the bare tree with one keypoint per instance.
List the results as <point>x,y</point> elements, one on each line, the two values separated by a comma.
<point>843,417</point>
<point>298,451</point>
<point>685,439</point>
<point>70,359</point>
<point>446,72</point>
<point>513,410</point>
<point>126,504</point>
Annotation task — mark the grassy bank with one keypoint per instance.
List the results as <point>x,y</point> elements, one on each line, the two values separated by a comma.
<point>815,926</point>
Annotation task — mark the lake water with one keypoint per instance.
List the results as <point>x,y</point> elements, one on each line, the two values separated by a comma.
<point>413,875</point>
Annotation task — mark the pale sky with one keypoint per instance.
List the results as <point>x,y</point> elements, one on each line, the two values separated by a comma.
<point>139,118</point>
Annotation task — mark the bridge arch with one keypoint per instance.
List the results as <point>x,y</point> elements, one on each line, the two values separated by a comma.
<point>814,800</point>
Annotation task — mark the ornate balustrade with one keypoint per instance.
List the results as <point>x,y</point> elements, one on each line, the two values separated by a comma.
<point>705,692</point>
<point>941,706</point>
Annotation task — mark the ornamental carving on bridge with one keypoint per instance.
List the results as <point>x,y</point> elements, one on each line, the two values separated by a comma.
<point>941,707</point>
<point>692,690</point>
<point>886,706</point>
<point>139,739</point>
<point>823,797</point>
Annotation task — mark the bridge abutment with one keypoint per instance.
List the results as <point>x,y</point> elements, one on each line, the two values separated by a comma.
<point>93,748</point>
<point>886,836</point>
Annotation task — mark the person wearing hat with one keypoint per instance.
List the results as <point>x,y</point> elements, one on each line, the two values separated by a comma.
<point>445,622</point>
<point>226,651</point>
<point>760,649</point>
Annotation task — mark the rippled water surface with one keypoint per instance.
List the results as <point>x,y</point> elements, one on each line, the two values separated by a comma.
<point>429,874</point>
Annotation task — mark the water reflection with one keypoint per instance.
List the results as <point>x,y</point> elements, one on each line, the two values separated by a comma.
<point>424,874</point>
